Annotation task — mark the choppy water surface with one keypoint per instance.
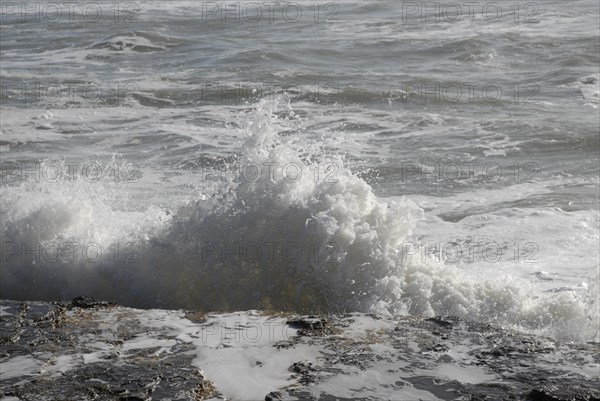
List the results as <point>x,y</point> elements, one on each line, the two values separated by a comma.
<point>373,155</point>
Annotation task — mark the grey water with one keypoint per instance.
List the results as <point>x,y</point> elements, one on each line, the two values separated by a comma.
<point>485,114</point>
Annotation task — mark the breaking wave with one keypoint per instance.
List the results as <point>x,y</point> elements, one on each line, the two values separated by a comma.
<point>287,228</point>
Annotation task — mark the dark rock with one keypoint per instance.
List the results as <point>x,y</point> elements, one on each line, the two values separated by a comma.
<point>514,366</point>
<point>313,326</point>
<point>563,393</point>
<point>274,396</point>
<point>308,323</point>
<point>540,395</point>
<point>306,372</point>
<point>302,367</point>
<point>89,302</point>
<point>441,322</point>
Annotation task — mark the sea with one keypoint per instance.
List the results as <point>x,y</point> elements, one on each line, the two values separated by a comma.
<point>380,156</point>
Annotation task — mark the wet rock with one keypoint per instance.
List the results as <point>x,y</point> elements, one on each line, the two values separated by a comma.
<point>47,339</point>
<point>195,316</point>
<point>89,302</point>
<point>98,351</point>
<point>561,393</point>
<point>438,348</point>
<point>11,332</point>
<point>447,322</point>
<point>274,396</point>
<point>302,367</point>
<point>308,323</point>
<point>310,326</point>
<point>283,344</point>
<point>306,372</point>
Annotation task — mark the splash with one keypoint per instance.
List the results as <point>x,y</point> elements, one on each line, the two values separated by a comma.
<point>288,227</point>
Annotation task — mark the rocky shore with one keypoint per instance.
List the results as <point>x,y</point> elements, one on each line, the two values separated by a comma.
<point>92,350</point>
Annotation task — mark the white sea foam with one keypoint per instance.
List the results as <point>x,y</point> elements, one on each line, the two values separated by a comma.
<point>285,242</point>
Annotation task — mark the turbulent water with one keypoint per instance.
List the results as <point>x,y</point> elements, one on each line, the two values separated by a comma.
<point>372,156</point>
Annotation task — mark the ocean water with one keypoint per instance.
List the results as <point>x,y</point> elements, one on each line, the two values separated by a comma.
<point>431,158</point>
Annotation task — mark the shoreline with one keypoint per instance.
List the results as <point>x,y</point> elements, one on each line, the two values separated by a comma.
<point>93,350</point>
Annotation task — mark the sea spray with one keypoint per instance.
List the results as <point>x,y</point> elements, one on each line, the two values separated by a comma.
<point>282,238</point>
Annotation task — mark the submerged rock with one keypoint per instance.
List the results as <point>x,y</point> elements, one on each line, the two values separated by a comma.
<point>95,350</point>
